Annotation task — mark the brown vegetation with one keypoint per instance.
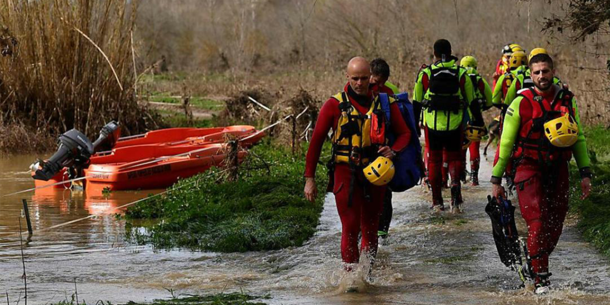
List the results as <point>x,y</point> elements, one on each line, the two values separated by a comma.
<point>68,64</point>
<point>74,63</point>
<point>283,46</point>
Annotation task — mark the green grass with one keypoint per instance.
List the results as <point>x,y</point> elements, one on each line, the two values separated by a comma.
<point>594,212</point>
<point>178,119</point>
<point>197,102</point>
<point>235,298</point>
<point>263,210</point>
<point>460,222</point>
<point>598,143</point>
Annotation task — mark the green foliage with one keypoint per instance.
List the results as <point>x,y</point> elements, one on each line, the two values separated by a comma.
<point>178,119</point>
<point>594,211</point>
<point>598,139</point>
<point>584,17</point>
<point>196,102</point>
<point>265,209</point>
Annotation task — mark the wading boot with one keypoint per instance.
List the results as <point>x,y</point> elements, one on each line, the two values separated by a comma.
<point>456,199</point>
<point>437,206</point>
<point>474,177</point>
<point>542,283</point>
<point>463,176</point>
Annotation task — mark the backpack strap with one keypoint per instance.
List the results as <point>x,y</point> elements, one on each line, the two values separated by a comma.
<point>384,103</point>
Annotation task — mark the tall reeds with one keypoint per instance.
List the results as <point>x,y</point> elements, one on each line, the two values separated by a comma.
<point>68,64</point>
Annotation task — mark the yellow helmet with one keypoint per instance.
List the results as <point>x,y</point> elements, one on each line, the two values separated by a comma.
<point>562,131</point>
<point>515,47</point>
<point>475,133</point>
<point>517,60</point>
<point>380,172</point>
<point>469,62</point>
<point>535,52</point>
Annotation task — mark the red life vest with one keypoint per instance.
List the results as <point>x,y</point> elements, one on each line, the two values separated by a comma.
<point>532,142</point>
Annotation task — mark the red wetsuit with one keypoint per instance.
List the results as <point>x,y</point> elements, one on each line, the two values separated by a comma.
<point>362,216</point>
<point>543,199</point>
<point>541,174</point>
<point>475,156</point>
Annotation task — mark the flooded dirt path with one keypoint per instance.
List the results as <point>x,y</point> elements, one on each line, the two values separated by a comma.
<point>428,260</point>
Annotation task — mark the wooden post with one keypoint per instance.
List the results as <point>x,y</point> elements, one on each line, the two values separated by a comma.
<point>294,135</point>
<point>233,163</point>
<point>27,215</point>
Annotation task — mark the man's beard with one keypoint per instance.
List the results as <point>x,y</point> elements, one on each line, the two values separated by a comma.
<point>549,84</point>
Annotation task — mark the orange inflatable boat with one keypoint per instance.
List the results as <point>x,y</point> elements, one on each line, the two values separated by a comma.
<point>158,158</point>
<point>160,172</point>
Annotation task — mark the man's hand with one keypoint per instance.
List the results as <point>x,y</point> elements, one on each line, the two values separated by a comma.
<point>497,191</point>
<point>311,190</point>
<point>585,185</point>
<point>387,152</point>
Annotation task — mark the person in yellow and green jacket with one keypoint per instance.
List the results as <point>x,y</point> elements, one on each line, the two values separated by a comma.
<point>475,128</point>
<point>502,65</point>
<point>541,133</point>
<point>517,64</point>
<point>443,92</point>
<point>523,79</point>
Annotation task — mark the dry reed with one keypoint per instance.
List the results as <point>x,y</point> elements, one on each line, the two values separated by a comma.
<point>70,65</point>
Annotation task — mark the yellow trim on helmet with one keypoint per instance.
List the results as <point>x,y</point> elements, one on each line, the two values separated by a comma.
<point>562,131</point>
<point>380,172</point>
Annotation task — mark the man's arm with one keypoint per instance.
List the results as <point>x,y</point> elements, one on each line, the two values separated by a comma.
<point>510,130</point>
<point>484,87</point>
<point>326,118</point>
<point>579,149</point>
<point>467,89</point>
<point>418,96</point>
<point>511,93</point>
<point>497,93</point>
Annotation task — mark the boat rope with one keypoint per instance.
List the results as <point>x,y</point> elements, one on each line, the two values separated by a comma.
<point>190,183</point>
<point>45,186</point>
<point>196,181</point>
<point>302,112</point>
<point>266,128</point>
<point>259,104</point>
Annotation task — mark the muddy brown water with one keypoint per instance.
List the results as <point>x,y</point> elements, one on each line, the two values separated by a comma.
<point>427,260</point>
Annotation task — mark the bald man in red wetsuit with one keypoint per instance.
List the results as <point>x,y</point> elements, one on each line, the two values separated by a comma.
<point>361,215</point>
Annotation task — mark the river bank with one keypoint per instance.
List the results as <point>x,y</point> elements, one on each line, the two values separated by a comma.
<point>428,260</point>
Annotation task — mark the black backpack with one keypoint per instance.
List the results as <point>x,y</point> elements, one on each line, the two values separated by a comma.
<point>527,81</point>
<point>444,88</point>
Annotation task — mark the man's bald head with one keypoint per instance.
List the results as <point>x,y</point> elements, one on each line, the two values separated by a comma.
<point>358,75</point>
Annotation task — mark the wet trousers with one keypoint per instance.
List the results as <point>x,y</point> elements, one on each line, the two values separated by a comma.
<point>543,199</point>
<point>450,141</point>
<point>445,169</point>
<point>475,156</point>
<point>386,214</point>
<point>361,217</point>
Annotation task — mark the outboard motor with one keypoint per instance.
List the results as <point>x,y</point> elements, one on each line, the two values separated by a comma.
<point>74,149</point>
<point>109,135</point>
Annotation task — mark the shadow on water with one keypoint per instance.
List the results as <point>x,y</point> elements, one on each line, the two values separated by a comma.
<point>428,259</point>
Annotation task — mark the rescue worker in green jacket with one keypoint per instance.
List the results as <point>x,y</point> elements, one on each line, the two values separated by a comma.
<point>475,128</point>
<point>517,64</point>
<point>540,135</point>
<point>443,91</point>
<point>523,79</point>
